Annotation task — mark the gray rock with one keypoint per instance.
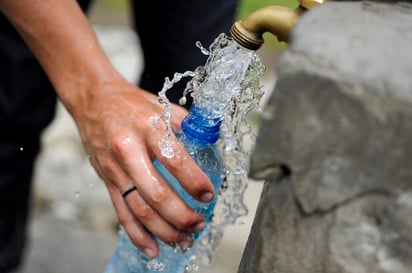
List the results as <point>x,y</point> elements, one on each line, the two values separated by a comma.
<point>335,146</point>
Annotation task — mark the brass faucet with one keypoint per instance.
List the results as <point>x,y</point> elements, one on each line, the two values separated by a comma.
<point>275,19</point>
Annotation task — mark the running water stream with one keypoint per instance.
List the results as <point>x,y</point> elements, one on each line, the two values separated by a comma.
<point>228,86</point>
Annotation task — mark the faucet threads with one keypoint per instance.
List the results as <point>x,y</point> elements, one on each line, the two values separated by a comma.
<point>244,37</point>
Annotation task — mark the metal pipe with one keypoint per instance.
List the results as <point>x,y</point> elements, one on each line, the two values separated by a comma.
<point>274,19</point>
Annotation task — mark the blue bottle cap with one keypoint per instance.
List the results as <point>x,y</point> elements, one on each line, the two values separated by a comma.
<point>201,129</point>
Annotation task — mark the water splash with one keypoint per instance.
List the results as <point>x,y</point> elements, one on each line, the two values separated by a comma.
<point>236,142</point>
<point>155,265</point>
<point>228,86</point>
<point>165,143</point>
<point>191,267</point>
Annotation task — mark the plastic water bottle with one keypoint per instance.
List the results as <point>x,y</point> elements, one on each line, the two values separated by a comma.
<point>198,134</point>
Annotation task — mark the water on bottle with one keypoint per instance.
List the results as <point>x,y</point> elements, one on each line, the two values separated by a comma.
<point>228,86</point>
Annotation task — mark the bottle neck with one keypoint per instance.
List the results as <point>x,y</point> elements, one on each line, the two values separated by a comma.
<point>199,127</point>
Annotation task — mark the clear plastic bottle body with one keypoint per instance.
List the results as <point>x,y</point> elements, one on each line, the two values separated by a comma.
<point>198,135</point>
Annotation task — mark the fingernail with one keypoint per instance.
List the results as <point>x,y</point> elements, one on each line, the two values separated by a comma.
<point>206,197</point>
<point>150,252</point>
<point>186,243</point>
<point>200,226</point>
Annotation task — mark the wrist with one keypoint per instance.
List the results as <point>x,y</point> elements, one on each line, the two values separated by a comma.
<point>77,89</point>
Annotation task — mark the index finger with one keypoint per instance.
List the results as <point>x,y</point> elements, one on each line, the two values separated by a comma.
<point>184,169</point>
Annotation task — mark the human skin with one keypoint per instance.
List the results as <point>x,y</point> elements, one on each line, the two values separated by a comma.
<point>112,117</point>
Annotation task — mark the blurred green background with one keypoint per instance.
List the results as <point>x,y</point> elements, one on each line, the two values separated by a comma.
<point>247,6</point>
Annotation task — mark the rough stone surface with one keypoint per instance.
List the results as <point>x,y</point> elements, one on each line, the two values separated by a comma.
<point>335,146</point>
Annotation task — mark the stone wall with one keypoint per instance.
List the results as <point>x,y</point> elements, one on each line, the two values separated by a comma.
<point>335,146</point>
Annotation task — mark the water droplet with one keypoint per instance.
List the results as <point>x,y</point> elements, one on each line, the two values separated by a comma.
<point>77,194</point>
<point>182,100</point>
<point>127,141</point>
<point>177,249</point>
<point>239,170</point>
<point>166,148</point>
<point>162,100</point>
<point>223,43</point>
<point>155,265</point>
<point>154,120</point>
<point>195,267</point>
<point>202,49</point>
<point>167,152</point>
<point>192,267</point>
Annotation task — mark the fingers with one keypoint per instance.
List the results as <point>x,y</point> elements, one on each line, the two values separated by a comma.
<point>181,165</point>
<point>155,193</point>
<point>136,216</point>
<point>136,231</point>
<point>153,204</point>
<point>185,170</point>
<point>178,114</point>
<point>157,225</point>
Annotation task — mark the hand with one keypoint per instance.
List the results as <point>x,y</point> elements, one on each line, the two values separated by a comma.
<point>113,120</point>
<point>121,143</point>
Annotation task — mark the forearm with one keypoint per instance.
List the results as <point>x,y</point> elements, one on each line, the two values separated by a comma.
<point>62,39</point>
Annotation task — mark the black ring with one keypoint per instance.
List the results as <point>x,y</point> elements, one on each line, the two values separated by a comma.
<point>133,188</point>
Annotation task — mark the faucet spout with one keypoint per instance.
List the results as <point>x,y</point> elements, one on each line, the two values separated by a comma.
<point>274,19</point>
